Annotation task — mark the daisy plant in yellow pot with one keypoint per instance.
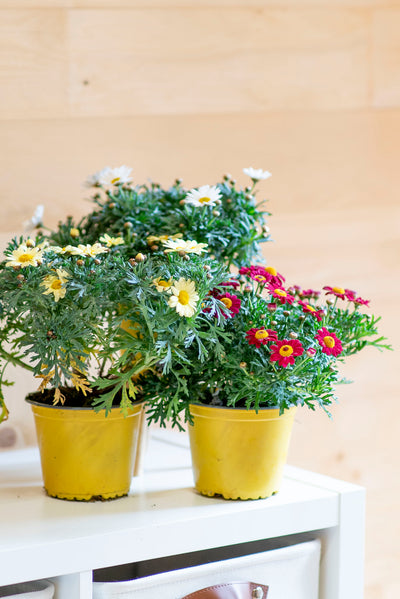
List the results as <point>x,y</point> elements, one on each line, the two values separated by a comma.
<point>225,216</point>
<point>282,346</point>
<point>87,321</point>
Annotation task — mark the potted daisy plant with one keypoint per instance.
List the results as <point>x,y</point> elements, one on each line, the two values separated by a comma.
<point>281,349</point>
<point>87,320</point>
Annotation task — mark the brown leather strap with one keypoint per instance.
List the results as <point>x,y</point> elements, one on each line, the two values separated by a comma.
<point>231,590</point>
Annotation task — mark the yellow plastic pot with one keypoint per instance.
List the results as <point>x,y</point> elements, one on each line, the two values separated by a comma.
<point>85,455</point>
<point>238,453</point>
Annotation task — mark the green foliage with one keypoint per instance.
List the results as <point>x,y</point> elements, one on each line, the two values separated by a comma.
<point>232,229</point>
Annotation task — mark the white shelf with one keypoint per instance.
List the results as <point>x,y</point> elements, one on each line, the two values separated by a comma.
<point>43,537</point>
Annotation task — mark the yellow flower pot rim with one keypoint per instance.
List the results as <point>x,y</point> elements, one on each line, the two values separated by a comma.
<point>232,408</point>
<point>75,408</point>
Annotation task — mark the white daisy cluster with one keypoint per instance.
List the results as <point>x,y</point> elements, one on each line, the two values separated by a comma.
<point>182,245</point>
<point>206,195</point>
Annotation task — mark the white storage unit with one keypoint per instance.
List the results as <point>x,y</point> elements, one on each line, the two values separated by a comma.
<point>163,516</point>
<point>289,572</point>
<point>37,589</point>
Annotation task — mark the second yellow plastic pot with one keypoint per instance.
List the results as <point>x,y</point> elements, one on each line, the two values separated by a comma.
<point>84,455</point>
<point>238,453</point>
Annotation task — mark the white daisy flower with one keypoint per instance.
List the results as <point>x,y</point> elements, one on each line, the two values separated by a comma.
<point>206,195</point>
<point>35,221</point>
<point>184,297</point>
<point>26,255</point>
<point>161,284</point>
<point>256,174</point>
<point>94,180</point>
<point>56,284</point>
<point>182,245</point>
<point>115,176</point>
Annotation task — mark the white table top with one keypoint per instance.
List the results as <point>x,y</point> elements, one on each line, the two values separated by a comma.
<point>163,515</point>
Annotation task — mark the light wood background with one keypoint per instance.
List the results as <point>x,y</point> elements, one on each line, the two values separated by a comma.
<point>308,89</point>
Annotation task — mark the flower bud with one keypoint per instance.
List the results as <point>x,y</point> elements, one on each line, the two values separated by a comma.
<point>329,302</point>
<point>293,335</point>
<point>209,275</point>
<point>182,253</point>
<point>263,316</point>
<point>140,257</point>
<point>227,176</point>
<point>271,307</point>
<point>80,262</point>
<point>310,352</point>
<point>186,257</point>
<point>216,213</point>
<point>178,181</point>
<point>228,201</point>
<point>112,205</point>
<point>74,232</point>
<point>154,248</point>
<point>128,225</point>
<point>286,313</point>
<point>274,323</point>
<point>243,364</point>
<point>206,267</point>
<point>218,202</point>
<point>30,243</point>
<point>97,261</point>
<point>248,288</point>
<point>182,202</point>
<point>181,225</point>
<point>233,181</point>
<point>20,277</point>
<point>132,262</point>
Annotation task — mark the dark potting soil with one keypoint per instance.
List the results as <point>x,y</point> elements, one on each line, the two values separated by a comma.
<point>73,397</point>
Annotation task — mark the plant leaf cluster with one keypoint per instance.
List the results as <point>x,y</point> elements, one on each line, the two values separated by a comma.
<point>233,229</point>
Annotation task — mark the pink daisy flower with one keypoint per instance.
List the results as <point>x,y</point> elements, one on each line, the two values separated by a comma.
<point>285,351</point>
<point>260,336</point>
<point>331,345</point>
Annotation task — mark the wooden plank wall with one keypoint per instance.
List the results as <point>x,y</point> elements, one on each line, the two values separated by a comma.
<point>308,89</point>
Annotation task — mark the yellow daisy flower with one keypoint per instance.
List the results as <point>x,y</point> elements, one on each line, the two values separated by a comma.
<point>162,284</point>
<point>111,241</point>
<point>154,238</point>
<point>86,250</point>
<point>180,245</point>
<point>184,297</point>
<point>26,256</point>
<point>56,284</point>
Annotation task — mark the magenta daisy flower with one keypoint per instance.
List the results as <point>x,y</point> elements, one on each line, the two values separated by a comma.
<point>280,294</point>
<point>263,274</point>
<point>308,309</point>
<point>285,351</point>
<point>361,301</point>
<point>260,336</point>
<point>331,345</point>
<point>340,292</point>
<point>232,302</point>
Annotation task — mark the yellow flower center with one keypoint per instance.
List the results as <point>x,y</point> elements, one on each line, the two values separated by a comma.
<point>56,284</point>
<point>263,334</point>
<point>183,297</point>
<point>204,200</point>
<point>329,341</point>
<point>311,308</point>
<point>25,257</point>
<point>259,278</point>
<point>163,283</point>
<point>114,181</point>
<point>281,292</point>
<point>339,290</point>
<point>286,350</point>
<point>228,302</point>
<point>271,270</point>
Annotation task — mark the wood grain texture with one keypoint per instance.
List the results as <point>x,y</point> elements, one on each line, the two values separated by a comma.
<point>386,58</point>
<point>33,66</point>
<point>130,62</point>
